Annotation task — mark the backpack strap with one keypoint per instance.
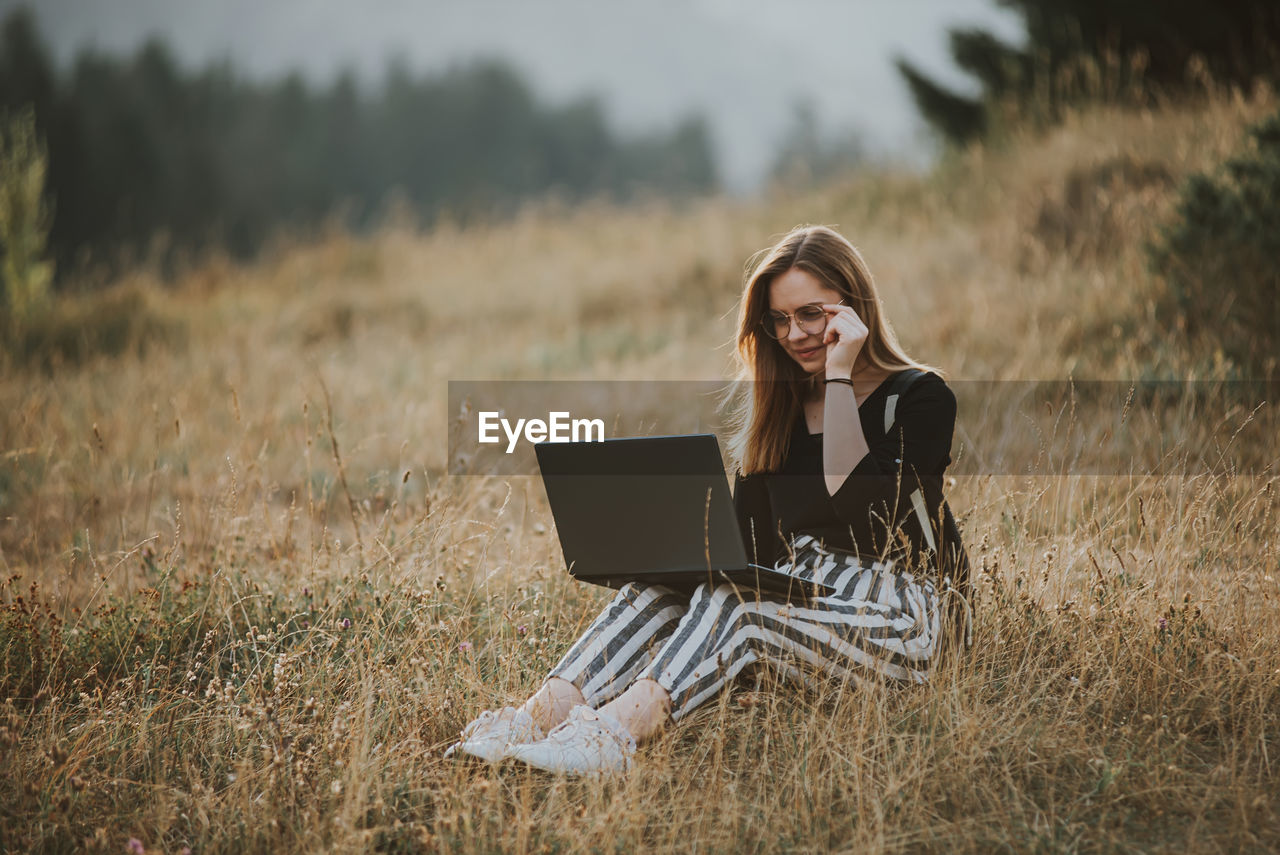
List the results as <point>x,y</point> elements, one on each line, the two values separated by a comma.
<point>954,557</point>
<point>897,388</point>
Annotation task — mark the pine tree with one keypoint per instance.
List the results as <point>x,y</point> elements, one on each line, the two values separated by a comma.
<point>1077,49</point>
<point>24,223</point>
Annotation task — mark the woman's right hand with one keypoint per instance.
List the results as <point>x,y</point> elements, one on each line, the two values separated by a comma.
<point>844,337</point>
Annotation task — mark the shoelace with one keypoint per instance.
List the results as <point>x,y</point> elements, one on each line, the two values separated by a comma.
<point>599,727</point>
<point>486,718</point>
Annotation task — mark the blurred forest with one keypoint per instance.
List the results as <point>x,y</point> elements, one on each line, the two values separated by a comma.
<point>147,159</point>
<point>1115,50</point>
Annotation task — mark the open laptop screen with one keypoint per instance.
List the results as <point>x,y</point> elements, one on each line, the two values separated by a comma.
<point>629,509</point>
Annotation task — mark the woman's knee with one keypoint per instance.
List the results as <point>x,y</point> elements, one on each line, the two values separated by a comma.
<point>640,595</point>
<point>741,608</point>
<point>745,601</point>
<point>633,589</point>
<point>731,595</point>
<point>705,593</point>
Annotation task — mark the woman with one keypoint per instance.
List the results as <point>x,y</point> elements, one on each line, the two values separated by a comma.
<point>840,479</point>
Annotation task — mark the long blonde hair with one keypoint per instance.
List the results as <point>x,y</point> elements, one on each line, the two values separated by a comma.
<point>765,417</point>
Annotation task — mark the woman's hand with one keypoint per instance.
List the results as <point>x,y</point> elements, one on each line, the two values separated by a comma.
<point>844,337</point>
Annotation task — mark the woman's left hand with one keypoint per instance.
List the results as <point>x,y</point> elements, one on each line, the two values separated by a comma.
<point>844,337</point>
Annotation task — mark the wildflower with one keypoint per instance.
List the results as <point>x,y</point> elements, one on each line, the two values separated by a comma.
<point>1161,623</point>
<point>346,623</point>
<point>522,629</point>
<point>134,847</point>
<point>465,646</point>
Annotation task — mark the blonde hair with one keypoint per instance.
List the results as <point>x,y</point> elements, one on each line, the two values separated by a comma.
<point>764,418</point>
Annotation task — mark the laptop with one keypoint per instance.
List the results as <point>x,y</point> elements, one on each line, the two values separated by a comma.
<point>653,509</point>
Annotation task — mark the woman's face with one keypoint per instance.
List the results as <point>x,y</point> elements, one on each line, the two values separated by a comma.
<point>789,292</point>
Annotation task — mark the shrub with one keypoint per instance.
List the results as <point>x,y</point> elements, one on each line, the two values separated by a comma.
<point>24,222</point>
<point>1086,217</point>
<point>109,323</point>
<point>1221,254</point>
<point>34,327</point>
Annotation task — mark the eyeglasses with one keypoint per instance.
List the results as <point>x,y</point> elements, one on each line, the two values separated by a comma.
<point>811,320</point>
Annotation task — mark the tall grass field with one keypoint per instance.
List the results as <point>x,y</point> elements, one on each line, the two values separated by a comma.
<point>245,606</point>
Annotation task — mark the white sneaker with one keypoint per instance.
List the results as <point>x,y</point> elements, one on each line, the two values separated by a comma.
<point>588,742</point>
<point>491,735</point>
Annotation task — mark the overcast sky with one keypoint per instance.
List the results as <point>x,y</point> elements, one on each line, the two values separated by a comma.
<point>742,63</point>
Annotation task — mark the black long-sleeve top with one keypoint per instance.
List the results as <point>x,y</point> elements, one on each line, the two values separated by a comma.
<point>874,512</point>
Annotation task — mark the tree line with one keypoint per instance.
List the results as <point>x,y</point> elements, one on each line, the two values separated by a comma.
<point>147,157</point>
<point>1088,49</point>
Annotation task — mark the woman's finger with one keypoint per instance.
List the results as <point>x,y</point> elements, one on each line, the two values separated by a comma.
<point>845,323</point>
<point>840,310</point>
<point>841,326</point>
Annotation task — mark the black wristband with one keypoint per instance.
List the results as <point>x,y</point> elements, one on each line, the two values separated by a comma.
<point>847,381</point>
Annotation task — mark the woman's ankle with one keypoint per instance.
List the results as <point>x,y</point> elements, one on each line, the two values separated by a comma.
<point>644,709</point>
<point>550,705</point>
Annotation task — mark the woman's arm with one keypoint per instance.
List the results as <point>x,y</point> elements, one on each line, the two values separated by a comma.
<point>843,443</point>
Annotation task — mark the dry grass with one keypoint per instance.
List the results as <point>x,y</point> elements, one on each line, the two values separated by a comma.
<point>200,648</point>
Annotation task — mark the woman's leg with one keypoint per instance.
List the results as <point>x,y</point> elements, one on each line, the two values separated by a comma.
<point>880,625</point>
<point>550,705</point>
<point>597,668</point>
<point>642,709</point>
<point>646,706</point>
<point>604,660</point>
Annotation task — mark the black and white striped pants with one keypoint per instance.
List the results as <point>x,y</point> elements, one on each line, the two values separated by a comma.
<point>881,623</point>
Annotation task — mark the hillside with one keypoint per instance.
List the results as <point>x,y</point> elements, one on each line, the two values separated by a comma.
<point>201,649</point>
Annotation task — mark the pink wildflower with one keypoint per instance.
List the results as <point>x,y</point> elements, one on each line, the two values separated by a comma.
<point>465,646</point>
<point>134,847</point>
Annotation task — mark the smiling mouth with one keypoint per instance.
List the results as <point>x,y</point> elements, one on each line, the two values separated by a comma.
<point>808,354</point>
